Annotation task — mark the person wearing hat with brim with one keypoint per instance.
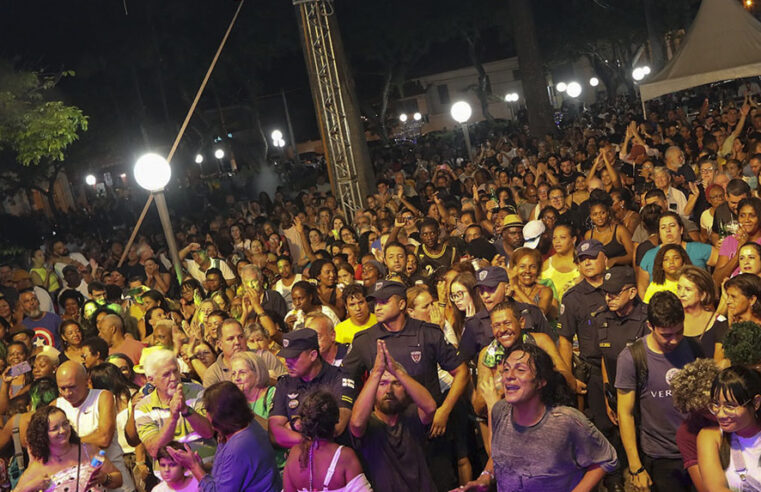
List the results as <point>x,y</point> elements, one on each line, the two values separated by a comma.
<point>418,346</point>
<point>619,325</point>
<point>306,372</point>
<point>512,235</point>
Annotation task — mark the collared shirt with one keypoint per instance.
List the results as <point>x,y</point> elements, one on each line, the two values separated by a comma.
<point>614,333</point>
<point>576,309</point>
<point>151,415</point>
<point>477,333</point>
<point>418,347</point>
<point>290,391</point>
<point>219,371</point>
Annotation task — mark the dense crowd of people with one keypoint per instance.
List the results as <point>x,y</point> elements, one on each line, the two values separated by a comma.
<point>554,313</point>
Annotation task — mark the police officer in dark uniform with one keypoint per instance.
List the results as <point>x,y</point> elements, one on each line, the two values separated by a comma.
<point>492,285</point>
<point>307,371</point>
<point>419,347</point>
<point>579,304</point>
<point>620,324</point>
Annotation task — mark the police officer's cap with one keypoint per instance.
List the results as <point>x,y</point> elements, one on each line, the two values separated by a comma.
<point>298,341</point>
<point>589,248</point>
<point>491,276</point>
<point>384,289</point>
<point>618,277</point>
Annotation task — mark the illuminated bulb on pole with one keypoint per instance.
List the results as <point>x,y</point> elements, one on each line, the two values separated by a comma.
<point>594,81</point>
<point>199,158</point>
<point>219,153</point>
<point>277,135</point>
<point>646,70</point>
<point>152,172</point>
<point>461,111</point>
<point>561,87</point>
<point>403,117</point>
<point>417,116</point>
<point>573,89</point>
<point>90,180</point>
<point>638,74</point>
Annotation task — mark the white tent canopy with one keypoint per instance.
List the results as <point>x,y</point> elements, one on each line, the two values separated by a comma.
<point>724,42</point>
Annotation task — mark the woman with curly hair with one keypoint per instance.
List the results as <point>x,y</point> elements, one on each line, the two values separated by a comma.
<point>318,459</point>
<point>60,458</point>
<point>691,393</point>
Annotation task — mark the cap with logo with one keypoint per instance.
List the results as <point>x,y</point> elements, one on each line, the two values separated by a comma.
<point>491,276</point>
<point>298,341</point>
<point>512,220</point>
<point>589,248</point>
<point>618,277</point>
<point>382,271</point>
<point>532,233</point>
<point>385,289</point>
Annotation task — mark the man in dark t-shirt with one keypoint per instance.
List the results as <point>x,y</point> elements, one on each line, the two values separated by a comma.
<point>389,424</point>
<point>654,457</point>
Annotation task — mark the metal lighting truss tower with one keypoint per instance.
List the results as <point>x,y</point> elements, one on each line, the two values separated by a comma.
<point>336,104</point>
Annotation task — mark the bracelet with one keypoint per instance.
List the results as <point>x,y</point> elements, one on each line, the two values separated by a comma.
<point>487,472</point>
<point>641,469</point>
<point>187,412</point>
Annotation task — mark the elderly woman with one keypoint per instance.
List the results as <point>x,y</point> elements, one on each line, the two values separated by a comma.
<point>244,460</point>
<point>691,393</point>
<point>58,454</point>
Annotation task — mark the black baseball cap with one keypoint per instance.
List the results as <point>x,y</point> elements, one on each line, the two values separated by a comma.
<point>384,289</point>
<point>618,277</point>
<point>491,276</point>
<point>298,341</point>
<point>589,248</point>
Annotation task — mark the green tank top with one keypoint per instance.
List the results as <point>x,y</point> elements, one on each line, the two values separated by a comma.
<point>53,284</point>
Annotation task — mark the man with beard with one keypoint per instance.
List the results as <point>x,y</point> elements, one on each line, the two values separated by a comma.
<point>388,424</point>
<point>44,324</point>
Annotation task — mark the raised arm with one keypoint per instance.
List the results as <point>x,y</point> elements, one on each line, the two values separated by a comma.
<point>304,239</point>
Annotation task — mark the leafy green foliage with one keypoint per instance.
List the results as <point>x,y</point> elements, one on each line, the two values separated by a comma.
<point>742,344</point>
<point>34,128</point>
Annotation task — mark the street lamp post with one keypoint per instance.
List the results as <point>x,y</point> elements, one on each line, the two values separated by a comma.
<point>152,172</point>
<point>461,112</point>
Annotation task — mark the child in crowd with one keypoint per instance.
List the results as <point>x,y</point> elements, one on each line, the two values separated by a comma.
<point>175,478</point>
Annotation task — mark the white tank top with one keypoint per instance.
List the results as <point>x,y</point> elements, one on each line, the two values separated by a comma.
<point>84,420</point>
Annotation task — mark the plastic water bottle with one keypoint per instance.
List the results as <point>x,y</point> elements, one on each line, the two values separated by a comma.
<point>97,461</point>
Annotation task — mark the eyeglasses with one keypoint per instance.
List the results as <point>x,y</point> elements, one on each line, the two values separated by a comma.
<point>729,408</point>
<point>456,296</point>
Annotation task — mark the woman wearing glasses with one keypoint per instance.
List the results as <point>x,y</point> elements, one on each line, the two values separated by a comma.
<point>730,456</point>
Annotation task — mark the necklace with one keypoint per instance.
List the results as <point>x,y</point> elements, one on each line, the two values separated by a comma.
<point>433,255</point>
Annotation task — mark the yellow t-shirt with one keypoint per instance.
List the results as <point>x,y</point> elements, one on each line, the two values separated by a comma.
<point>669,285</point>
<point>345,330</point>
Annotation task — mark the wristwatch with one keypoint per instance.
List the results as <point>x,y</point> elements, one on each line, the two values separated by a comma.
<point>186,413</point>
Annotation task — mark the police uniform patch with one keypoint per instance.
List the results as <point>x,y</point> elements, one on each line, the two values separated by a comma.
<point>585,246</point>
<point>562,308</point>
<point>607,276</point>
<point>482,275</point>
<point>285,342</point>
<point>293,404</point>
<point>378,285</point>
<point>416,356</point>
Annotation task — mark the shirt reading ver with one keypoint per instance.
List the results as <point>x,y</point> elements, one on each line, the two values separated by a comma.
<point>660,419</point>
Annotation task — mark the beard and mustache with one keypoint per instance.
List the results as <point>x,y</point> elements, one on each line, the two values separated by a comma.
<point>391,405</point>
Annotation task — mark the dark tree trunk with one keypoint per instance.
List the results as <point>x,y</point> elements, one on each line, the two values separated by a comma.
<point>532,68</point>
<point>483,90</point>
<point>385,98</point>
<point>654,36</point>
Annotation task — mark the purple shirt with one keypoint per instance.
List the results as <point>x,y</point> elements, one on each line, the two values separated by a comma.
<point>45,330</point>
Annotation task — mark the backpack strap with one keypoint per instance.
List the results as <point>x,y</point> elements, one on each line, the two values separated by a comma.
<point>639,357</point>
<point>18,451</point>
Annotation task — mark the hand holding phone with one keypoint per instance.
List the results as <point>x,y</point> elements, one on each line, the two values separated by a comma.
<point>19,369</point>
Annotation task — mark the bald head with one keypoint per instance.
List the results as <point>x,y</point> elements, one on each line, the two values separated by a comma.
<point>111,329</point>
<point>71,378</point>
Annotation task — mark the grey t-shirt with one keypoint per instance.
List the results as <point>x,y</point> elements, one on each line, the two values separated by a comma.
<point>660,419</point>
<point>523,461</point>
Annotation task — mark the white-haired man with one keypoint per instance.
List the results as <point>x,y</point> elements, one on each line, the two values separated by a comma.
<point>173,411</point>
